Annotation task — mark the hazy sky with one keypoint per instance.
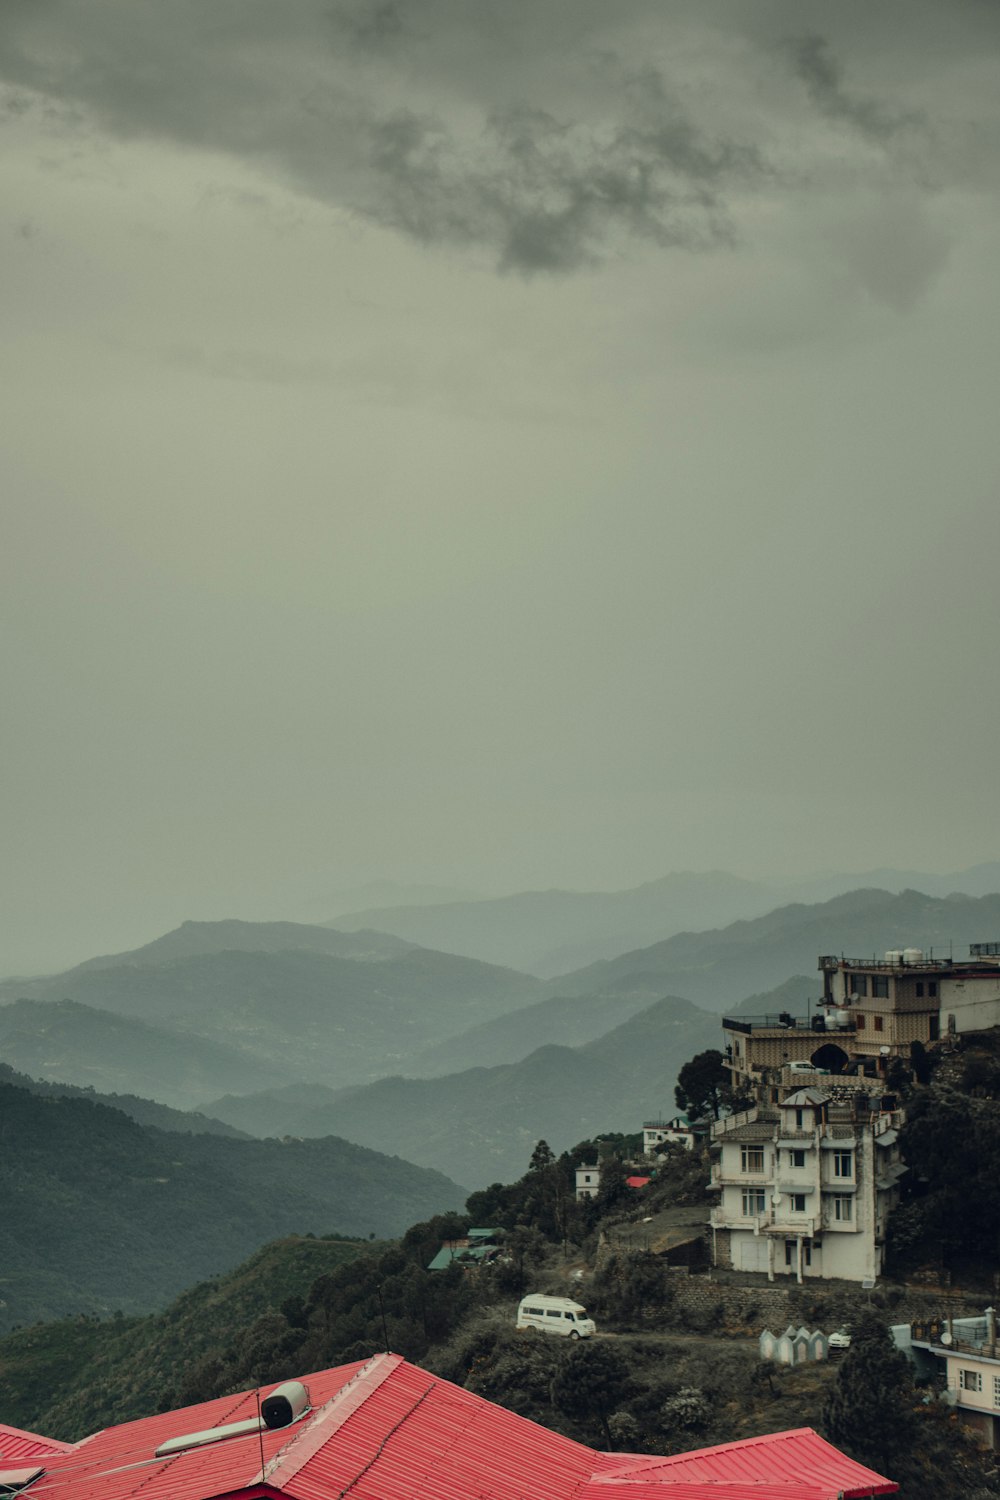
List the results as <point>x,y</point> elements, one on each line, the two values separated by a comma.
<point>491,442</point>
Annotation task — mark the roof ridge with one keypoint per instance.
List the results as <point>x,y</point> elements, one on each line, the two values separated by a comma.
<point>641,1461</point>
<point>303,1444</point>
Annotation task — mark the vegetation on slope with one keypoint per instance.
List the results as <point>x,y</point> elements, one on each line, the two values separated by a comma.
<point>101,1214</point>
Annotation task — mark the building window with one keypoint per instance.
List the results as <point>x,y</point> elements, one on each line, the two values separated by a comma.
<point>996,1390</point>
<point>880,986</point>
<point>970,1380</point>
<point>754,1202</point>
<point>791,1257</point>
<point>932,989</point>
<point>859,984</point>
<point>920,990</point>
<point>796,1158</point>
<point>752,1158</point>
<point>878,1023</point>
<point>799,1117</point>
<point>843,1164</point>
<point>859,1022</point>
<point>798,1203</point>
<point>934,1030</point>
<point>843,1209</point>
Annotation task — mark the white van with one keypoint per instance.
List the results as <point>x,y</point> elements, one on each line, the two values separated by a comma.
<point>555,1315</point>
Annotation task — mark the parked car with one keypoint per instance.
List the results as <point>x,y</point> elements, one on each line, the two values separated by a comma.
<point>839,1340</point>
<point>558,1315</point>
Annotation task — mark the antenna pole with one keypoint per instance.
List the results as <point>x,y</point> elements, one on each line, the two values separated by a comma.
<point>260,1434</point>
<point>385,1330</point>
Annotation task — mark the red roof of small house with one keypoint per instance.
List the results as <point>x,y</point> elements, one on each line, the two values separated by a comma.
<point>636,1182</point>
<point>386,1430</point>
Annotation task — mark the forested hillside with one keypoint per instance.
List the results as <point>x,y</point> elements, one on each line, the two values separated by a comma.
<point>101,1214</point>
<point>142,1111</point>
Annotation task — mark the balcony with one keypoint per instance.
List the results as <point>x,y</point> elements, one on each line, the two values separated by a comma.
<point>778,1222</point>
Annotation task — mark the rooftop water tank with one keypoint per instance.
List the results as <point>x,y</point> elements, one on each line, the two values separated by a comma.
<point>840,1017</point>
<point>913,955</point>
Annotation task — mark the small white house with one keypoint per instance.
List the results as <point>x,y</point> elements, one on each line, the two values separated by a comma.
<point>588,1180</point>
<point>675,1132</point>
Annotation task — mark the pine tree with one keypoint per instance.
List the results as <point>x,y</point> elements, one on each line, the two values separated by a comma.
<point>870,1410</point>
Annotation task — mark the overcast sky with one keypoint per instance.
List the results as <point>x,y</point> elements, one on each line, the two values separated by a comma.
<point>498,443</point>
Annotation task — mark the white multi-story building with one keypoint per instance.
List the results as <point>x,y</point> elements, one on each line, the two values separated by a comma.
<point>807,1185</point>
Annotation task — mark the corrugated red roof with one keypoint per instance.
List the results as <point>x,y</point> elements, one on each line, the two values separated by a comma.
<point>386,1430</point>
<point>798,1457</point>
<point>636,1182</point>
<point>17,1444</point>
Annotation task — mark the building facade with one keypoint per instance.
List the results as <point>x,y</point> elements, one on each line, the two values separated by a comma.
<point>967,1355</point>
<point>588,1180</point>
<point>871,1011</point>
<point>674,1132</point>
<point>806,1186</point>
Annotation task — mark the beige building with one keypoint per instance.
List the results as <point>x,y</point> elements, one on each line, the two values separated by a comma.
<point>871,1011</point>
<point>967,1351</point>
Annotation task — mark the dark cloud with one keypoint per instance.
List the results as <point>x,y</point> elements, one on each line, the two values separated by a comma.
<point>539,188</point>
<point>823,77</point>
<point>547,194</point>
<point>542,134</point>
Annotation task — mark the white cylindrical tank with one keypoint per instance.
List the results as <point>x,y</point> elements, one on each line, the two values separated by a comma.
<point>894,956</point>
<point>840,1017</point>
<point>913,955</point>
<point>285,1404</point>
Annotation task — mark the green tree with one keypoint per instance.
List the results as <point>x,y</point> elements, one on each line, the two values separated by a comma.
<point>592,1382</point>
<point>703,1085</point>
<point>870,1409</point>
<point>542,1157</point>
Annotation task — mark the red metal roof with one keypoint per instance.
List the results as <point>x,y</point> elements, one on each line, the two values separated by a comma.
<point>636,1182</point>
<point>16,1444</point>
<point>386,1430</point>
<point>797,1458</point>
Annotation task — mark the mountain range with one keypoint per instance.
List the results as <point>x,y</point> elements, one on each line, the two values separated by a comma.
<point>450,1061</point>
<point>268,997</point>
<point>553,932</point>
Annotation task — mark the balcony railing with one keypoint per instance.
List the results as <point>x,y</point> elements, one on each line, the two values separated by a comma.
<point>830,962</point>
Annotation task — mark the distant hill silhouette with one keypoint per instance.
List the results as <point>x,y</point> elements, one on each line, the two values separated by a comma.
<point>556,931</point>
<point>66,1042</point>
<point>193,939</point>
<point>544,932</point>
<point>142,1111</point>
<point>292,1009</point>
